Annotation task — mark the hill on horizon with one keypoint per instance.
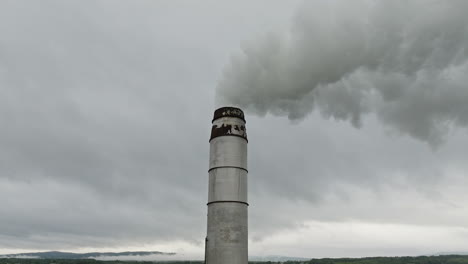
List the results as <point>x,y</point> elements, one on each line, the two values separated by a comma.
<point>70,255</point>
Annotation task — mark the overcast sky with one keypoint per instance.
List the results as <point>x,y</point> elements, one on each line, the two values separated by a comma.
<point>105,115</point>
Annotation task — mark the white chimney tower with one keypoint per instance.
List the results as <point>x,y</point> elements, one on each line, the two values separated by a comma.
<point>226,240</point>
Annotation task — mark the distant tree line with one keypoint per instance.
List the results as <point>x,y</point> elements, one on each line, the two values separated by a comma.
<point>446,259</point>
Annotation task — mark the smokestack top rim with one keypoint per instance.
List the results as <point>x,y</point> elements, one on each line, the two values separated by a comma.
<point>228,111</point>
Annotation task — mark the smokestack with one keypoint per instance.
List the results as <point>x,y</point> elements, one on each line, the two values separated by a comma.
<point>226,240</point>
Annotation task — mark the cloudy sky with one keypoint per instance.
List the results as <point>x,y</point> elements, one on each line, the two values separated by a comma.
<point>356,115</point>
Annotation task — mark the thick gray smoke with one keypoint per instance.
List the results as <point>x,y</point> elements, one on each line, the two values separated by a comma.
<point>404,61</point>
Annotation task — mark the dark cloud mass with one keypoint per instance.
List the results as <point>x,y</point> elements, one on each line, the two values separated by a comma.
<point>405,61</point>
<point>105,110</point>
<point>89,155</point>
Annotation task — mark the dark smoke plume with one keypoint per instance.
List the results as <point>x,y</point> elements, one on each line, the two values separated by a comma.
<point>404,61</point>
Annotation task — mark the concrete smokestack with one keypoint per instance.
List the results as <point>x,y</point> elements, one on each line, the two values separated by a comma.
<point>226,241</point>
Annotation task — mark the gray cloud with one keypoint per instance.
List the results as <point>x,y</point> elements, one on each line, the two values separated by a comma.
<point>91,154</point>
<point>402,60</point>
<point>328,172</point>
<point>105,112</point>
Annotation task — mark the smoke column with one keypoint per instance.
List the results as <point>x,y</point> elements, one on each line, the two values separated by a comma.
<point>406,62</point>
